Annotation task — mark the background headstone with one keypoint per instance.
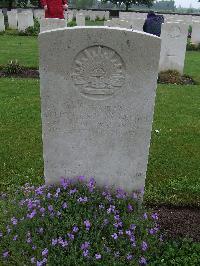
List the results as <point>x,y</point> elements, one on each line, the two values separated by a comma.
<point>98,88</point>
<point>25,20</point>
<point>173,48</point>
<point>12,19</point>
<point>52,23</point>
<point>80,19</point>
<point>2,24</point>
<point>195,38</point>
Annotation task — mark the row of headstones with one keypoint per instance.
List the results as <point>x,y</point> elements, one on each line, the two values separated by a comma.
<point>23,20</point>
<point>98,87</point>
<point>174,35</point>
<point>17,20</point>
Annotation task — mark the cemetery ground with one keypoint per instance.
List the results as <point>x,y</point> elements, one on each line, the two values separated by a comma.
<point>173,176</point>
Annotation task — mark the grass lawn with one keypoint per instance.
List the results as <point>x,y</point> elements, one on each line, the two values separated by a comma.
<point>22,48</point>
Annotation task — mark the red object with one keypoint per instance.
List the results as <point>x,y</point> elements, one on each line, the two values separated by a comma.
<point>55,8</point>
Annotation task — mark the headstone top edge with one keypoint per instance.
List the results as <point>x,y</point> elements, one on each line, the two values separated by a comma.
<point>101,28</point>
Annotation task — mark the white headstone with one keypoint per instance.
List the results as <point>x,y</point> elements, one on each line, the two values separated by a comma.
<point>39,14</point>
<point>92,16</point>
<point>52,24</point>
<point>137,24</point>
<point>107,15</point>
<point>98,88</point>
<point>195,38</point>
<point>25,20</point>
<point>80,19</point>
<point>12,19</point>
<point>2,25</point>
<point>173,47</point>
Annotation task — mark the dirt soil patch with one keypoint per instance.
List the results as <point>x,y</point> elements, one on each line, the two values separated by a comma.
<point>24,73</point>
<point>180,222</point>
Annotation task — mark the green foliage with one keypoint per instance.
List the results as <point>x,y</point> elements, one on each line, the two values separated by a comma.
<point>22,3</point>
<point>71,23</point>
<point>174,77</point>
<point>82,4</point>
<point>13,67</point>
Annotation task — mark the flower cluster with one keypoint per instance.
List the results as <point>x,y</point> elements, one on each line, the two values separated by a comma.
<point>79,222</point>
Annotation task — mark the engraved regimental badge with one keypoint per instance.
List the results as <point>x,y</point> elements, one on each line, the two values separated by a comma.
<point>98,72</point>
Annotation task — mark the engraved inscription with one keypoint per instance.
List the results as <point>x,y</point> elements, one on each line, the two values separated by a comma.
<point>98,72</point>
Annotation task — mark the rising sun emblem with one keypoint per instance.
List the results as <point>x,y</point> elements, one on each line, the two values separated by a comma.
<point>98,72</point>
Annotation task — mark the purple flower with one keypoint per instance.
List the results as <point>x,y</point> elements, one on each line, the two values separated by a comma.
<point>15,237</point>
<point>39,263</point>
<point>64,183</point>
<point>87,224</point>
<point>111,209</point>
<point>117,217</point>
<point>39,190</point>
<point>54,242</point>
<point>14,221</point>
<point>154,216</point>
<point>121,194</point>
<point>86,253</point>
<point>129,257</point>
<point>42,210</point>
<point>132,226</point>
<point>58,213</point>
<point>45,252</point>
<point>144,246</point>
<point>116,254</point>
<point>101,206</point>
<point>128,233</point>
<point>142,261</point>
<point>71,236</point>
<point>50,208</point>
<point>91,184</point>
<point>33,247</point>
<point>48,195</point>
<point>81,178</point>
<point>114,236</point>
<point>72,191</point>
<point>98,256</point>
<point>134,195</point>
<point>32,260</point>
<point>130,208</point>
<point>75,229</point>
<point>145,216</point>
<point>85,246</point>
<point>152,231</point>
<point>64,206</point>
<point>82,199</point>
<point>1,234</point>
<point>29,240</point>
<point>5,254</point>
<point>32,214</point>
<point>64,243</point>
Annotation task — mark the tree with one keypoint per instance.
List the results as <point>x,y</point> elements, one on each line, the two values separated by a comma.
<point>128,3</point>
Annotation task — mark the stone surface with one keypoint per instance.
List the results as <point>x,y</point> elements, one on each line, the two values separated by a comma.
<point>80,19</point>
<point>98,87</point>
<point>118,23</point>
<point>39,14</point>
<point>195,38</point>
<point>25,20</point>
<point>2,25</point>
<point>12,19</point>
<point>137,24</point>
<point>173,47</point>
<point>52,24</point>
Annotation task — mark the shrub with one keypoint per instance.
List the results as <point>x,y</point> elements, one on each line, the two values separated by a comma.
<point>77,223</point>
<point>13,67</point>
<point>174,77</point>
<point>193,47</point>
<point>72,23</point>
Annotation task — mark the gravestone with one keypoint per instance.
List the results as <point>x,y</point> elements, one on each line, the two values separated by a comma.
<point>137,24</point>
<point>25,20</point>
<point>173,46</point>
<point>92,16</point>
<point>80,19</point>
<point>12,19</point>
<point>39,14</point>
<point>51,24</point>
<point>98,88</point>
<point>2,25</point>
<point>195,38</point>
<point>107,15</point>
<point>117,23</point>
